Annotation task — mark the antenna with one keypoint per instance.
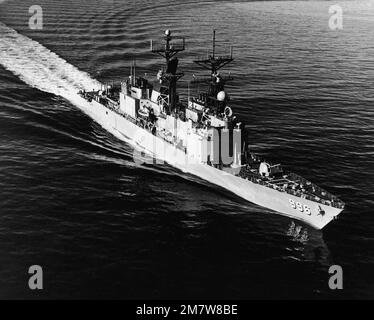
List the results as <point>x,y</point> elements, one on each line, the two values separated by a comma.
<point>188,91</point>
<point>214,42</point>
<point>214,63</point>
<point>134,70</point>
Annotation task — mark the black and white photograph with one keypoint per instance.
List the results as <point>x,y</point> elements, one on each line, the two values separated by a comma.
<point>186,155</point>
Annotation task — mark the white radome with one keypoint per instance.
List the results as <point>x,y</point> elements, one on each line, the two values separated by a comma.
<point>221,96</point>
<point>264,169</point>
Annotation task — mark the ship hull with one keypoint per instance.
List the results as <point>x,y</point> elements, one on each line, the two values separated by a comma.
<point>318,215</point>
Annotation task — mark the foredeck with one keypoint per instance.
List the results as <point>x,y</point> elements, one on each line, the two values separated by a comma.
<point>293,184</point>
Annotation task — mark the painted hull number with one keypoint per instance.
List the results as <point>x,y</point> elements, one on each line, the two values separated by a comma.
<point>299,206</point>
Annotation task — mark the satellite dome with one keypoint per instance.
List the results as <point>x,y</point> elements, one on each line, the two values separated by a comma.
<point>221,96</point>
<point>264,169</point>
<point>167,32</point>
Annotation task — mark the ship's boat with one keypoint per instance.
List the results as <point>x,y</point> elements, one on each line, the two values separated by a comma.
<point>203,136</point>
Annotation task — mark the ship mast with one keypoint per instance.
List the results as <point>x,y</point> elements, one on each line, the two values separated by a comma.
<point>169,77</point>
<point>214,63</point>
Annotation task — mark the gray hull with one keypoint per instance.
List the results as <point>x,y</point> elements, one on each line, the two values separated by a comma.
<point>318,215</point>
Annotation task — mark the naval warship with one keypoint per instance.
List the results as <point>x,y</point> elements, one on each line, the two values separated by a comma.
<point>202,136</point>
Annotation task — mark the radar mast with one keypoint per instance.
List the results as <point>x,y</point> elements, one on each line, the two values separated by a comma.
<point>214,63</point>
<point>169,76</point>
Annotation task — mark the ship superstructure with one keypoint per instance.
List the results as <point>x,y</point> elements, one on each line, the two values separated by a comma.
<point>203,136</point>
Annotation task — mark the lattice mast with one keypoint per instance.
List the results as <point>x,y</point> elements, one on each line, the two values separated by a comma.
<point>214,63</point>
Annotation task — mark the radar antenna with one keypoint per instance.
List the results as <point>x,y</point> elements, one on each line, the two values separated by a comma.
<point>213,62</point>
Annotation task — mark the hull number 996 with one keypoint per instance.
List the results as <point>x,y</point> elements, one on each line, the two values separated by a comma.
<point>300,207</point>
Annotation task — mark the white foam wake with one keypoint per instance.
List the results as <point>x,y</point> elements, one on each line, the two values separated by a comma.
<point>39,67</point>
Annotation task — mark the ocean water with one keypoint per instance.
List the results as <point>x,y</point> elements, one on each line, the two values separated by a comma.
<point>73,201</point>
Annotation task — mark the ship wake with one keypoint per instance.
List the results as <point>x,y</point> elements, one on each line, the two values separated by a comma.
<point>40,68</point>
<point>44,70</point>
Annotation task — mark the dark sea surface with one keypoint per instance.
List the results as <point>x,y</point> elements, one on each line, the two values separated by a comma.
<point>73,201</point>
